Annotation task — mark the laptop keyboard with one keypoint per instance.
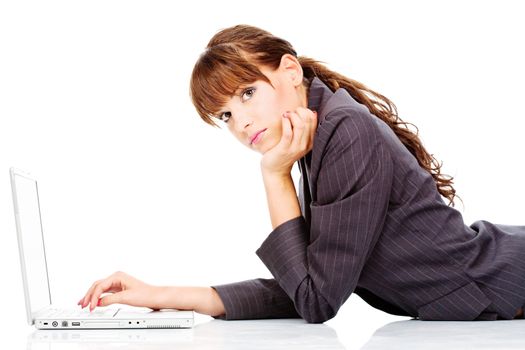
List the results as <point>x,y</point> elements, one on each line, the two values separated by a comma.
<point>80,313</point>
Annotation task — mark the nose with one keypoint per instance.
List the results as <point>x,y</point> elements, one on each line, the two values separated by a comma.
<point>243,122</point>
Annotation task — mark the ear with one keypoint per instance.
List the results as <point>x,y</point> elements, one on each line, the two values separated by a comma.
<point>291,68</point>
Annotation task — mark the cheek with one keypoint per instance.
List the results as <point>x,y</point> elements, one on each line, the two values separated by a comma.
<point>268,102</point>
<point>282,100</point>
<point>281,97</point>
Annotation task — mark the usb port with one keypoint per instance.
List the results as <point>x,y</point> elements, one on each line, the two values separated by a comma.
<point>75,323</point>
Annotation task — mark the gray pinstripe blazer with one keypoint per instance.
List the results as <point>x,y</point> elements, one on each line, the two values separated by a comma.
<point>374,224</point>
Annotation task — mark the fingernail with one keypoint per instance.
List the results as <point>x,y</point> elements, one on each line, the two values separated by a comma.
<point>99,302</point>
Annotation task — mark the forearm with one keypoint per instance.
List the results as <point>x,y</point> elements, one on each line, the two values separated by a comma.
<point>255,299</point>
<point>203,300</point>
<point>282,198</point>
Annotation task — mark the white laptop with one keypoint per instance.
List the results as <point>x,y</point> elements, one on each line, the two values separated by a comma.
<point>40,311</point>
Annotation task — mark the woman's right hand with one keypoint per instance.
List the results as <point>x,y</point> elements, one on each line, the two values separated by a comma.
<point>125,289</point>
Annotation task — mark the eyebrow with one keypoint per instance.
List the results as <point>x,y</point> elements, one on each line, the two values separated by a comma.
<point>241,88</point>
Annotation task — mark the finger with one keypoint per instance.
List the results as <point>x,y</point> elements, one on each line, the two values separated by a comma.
<point>111,283</point>
<point>298,131</point>
<point>103,286</point>
<point>86,297</point>
<point>310,118</point>
<point>315,122</point>
<point>116,298</point>
<point>306,115</point>
<point>287,132</point>
<point>313,126</point>
<point>89,296</point>
<point>128,296</point>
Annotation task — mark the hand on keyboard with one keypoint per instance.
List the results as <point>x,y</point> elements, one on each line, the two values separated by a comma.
<point>125,289</point>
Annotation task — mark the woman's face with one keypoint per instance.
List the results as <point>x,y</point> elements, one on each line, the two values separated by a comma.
<point>259,106</point>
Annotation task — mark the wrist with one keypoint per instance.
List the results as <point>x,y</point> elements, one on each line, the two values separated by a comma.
<point>281,197</point>
<point>270,175</point>
<point>163,297</point>
<point>204,300</point>
<point>266,172</point>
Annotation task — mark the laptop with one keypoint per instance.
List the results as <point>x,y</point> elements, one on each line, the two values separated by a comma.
<point>40,311</point>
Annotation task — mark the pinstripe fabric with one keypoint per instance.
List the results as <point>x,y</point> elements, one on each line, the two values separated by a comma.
<point>374,224</point>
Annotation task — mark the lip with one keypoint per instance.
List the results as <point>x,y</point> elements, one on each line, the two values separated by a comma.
<point>254,136</point>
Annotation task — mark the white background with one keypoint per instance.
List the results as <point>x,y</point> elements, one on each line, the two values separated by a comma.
<point>94,102</point>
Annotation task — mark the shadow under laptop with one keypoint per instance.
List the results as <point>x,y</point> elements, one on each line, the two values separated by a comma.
<point>450,335</point>
<point>215,334</point>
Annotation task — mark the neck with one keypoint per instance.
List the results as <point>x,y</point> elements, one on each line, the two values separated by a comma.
<point>303,95</point>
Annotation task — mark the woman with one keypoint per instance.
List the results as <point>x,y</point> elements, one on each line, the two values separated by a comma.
<point>370,217</point>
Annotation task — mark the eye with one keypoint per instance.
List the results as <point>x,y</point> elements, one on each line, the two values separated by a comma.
<point>247,93</point>
<point>225,116</point>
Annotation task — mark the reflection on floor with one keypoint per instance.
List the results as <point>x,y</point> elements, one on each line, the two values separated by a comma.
<point>449,335</point>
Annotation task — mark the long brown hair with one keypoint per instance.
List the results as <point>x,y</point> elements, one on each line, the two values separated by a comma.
<point>232,58</point>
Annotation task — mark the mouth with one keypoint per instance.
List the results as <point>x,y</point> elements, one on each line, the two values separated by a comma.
<point>256,137</point>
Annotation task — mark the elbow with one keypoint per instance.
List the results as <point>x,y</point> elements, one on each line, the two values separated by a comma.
<point>316,319</point>
<point>312,305</point>
<point>317,312</point>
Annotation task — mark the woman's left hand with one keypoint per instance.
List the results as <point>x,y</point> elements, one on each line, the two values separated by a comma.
<point>297,139</point>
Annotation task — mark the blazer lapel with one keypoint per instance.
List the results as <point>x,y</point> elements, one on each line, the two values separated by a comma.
<point>325,101</point>
<point>305,191</point>
<point>323,134</point>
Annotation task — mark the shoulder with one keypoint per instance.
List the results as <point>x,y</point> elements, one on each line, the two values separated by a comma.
<point>344,121</point>
<point>351,120</point>
<point>349,150</point>
<point>351,156</point>
<point>348,135</point>
<point>342,109</point>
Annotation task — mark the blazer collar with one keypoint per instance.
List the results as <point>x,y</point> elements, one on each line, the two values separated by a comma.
<point>322,100</point>
<point>318,96</point>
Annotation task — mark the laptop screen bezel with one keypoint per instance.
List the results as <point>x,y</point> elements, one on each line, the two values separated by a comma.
<point>13,173</point>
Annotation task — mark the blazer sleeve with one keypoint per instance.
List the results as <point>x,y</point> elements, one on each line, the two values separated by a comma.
<point>252,299</point>
<point>318,266</point>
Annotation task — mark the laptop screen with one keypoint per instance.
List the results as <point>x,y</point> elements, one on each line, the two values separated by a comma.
<point>31,241</point>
